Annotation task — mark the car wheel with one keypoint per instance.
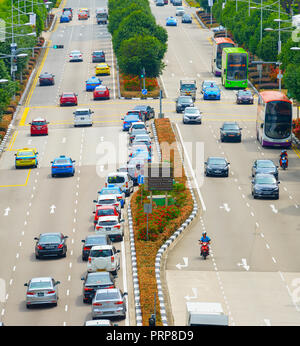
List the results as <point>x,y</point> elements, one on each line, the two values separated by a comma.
<point>28,306</point>
<point>53,175</point>
<point>37,257</point>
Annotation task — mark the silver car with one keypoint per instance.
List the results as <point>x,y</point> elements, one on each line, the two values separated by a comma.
<point>41,290</point>
<point>75,55</point>
<point>109,303</point>
<point>180,11</point>
<point>192,114</point>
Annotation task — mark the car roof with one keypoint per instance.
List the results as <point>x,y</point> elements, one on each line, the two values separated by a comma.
<point>102,207</point>
<point>101,87</point>
<point>110,218</point>
<point>117,173</point>
<point>95,236</point>
<point>137,122</point>
<point>98,273</point>
<point>101,247</point>
<point>107,290</point>
<point>39,119</point>
<point>111,196</point>
<point>51,233</point>
<point>216,157</point>
<point>259,175</point>
<point>82,109</point>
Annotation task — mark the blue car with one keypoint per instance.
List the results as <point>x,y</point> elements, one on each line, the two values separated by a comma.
<point>92,83</point>
<point>62,165</point>
<point>171,21</point>
<point>129,119</point>
<point>111,189</point>
<point>212,93</point>
<point>64,19</point>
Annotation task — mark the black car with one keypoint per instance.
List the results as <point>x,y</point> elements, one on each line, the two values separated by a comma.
<point>46,79</point>
<point>50,245</point>
<point>98,56</point>
<point>216,166</point>
<point>244,96</point>
<point>94,282</point>
<point>264,167</point>
<point>177,2</point>
<point>160,3</point>
<point>265,186</point>
<point>186,18</point>
<point>148,111</point>
<point>230,131</point>
<point>92,240</point>
<point>182,102</point>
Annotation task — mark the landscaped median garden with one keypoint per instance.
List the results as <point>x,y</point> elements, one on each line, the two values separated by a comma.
<point>163,221</point>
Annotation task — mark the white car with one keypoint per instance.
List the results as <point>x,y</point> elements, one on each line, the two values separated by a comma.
<point>193,115</point>
<point>105,200</point>
<point>83,117</point>
<point>122,180</point>
<point>137,125</point>
<point>180,11</point>
<point>111,226</point>
<point>104,258</point>
<point>75,55</point>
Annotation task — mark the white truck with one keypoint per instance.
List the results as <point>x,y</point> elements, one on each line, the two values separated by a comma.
<point>205,314</point>
<point>188,88</point>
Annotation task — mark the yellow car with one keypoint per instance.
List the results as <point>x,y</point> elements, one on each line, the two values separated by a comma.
<point>102,68</point>
<point>26,157</point>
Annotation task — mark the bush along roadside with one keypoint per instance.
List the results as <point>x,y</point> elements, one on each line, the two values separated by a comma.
<point>162,223</point>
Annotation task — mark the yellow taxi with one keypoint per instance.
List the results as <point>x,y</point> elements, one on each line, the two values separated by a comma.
<point>26,157</point>
<point>101,69</point>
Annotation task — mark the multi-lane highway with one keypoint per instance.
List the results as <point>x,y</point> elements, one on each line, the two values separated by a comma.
<point>253,269</point>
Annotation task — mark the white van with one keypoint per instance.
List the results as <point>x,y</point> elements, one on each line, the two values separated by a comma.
<point>83,117</point>
<point>122,180</point>
<point>104,258</point>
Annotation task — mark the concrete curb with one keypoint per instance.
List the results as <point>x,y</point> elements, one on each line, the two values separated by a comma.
<point>165,246</point>
<point>136,288</point>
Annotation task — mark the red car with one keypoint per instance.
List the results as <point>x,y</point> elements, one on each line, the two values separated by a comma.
<point>67,99</point>
<point>38,126</point>
<point>101,92</point>
<point>105,211</point>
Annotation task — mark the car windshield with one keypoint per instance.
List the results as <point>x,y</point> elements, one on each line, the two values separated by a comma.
<point>50,238</point>
<point>138,126</point>
<point>75,52</point>
<point>101,253</point>
<point>245,93</point>
<point>191,110</point>
<point>214,88</point>
<point>107,295</point>
<point>265,164</point>
<point>98,53</point>
<point>216,161</point>
<point>96,241</point>
<point>40,285</point>
<point>188,86</point>
<point>108,223</point>
<point>99,279</point>
<point>116,179</point>
<point>142,138</point>
<point>139,131</point>
<point>230,127</point>
<point>267,179</point>
<point>105,212</point>
<point>106,201</point>
<point>208,83</point>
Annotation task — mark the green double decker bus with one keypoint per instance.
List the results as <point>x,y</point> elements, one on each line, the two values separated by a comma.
<point>234,68</point>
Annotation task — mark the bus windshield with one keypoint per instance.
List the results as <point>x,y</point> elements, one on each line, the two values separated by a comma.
<point>278,119</point>
<point>237,66</point>
<point>219,52</point>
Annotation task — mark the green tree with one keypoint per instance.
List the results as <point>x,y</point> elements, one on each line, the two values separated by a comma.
<point>141,51</point>
<point>291,80</point>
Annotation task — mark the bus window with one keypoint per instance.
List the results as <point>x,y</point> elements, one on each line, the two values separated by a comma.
<point>278,119</point>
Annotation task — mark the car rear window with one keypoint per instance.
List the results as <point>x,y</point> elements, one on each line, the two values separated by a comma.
<point>96,241</point>
<point>68,95</point>
<point>107,295</point>
<point>39,123</point>
<point>105,212</point>
<point>101,253</point>
<point>40,285</point>
<point>100,279</point>
<point>108,223</point>
<point>62,161</point>
<point>50,239</point>
<point>106,201</point>
<point>82,113</point>
<point>110,192</point>
<point>131,117</point>
<point>26,153</point>
<point>116,180</point>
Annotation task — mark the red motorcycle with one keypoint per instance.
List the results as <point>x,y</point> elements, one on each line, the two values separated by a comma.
<point>283,161</point>
<point>204,250</point>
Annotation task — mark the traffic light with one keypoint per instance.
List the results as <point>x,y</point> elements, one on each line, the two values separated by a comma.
<point>58,46</point>
<point>152,321</point>
<point>143,73</point>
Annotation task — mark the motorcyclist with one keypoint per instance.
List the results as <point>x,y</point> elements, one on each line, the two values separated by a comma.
<point>283,155</point>
<point>204,238</point>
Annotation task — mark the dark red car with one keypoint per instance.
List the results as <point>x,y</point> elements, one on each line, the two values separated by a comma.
<point>39,126</point>
<point>101,92</point>
<point>67,99</point>
<point>105,211</point>
<point>46,79</point>
<point>139,113</point>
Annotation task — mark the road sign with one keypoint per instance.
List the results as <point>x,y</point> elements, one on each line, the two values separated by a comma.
<point>144,91</point>
<point>158,177</point>
<point>147,208</point>
<point>140,179</point>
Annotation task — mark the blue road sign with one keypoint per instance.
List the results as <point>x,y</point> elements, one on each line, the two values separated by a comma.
<point>140,179</point>
<point>144,91</point>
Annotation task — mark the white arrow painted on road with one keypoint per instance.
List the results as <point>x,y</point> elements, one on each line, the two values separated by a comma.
<point>52,209</point>
<point>185,260</point>
<point>195,291</point>
<point>244,264</point>
<point>64,140</point>
<point>6,211</point>
<point>274,210</point>
<point>226,207</point>
<point>29,141</point>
